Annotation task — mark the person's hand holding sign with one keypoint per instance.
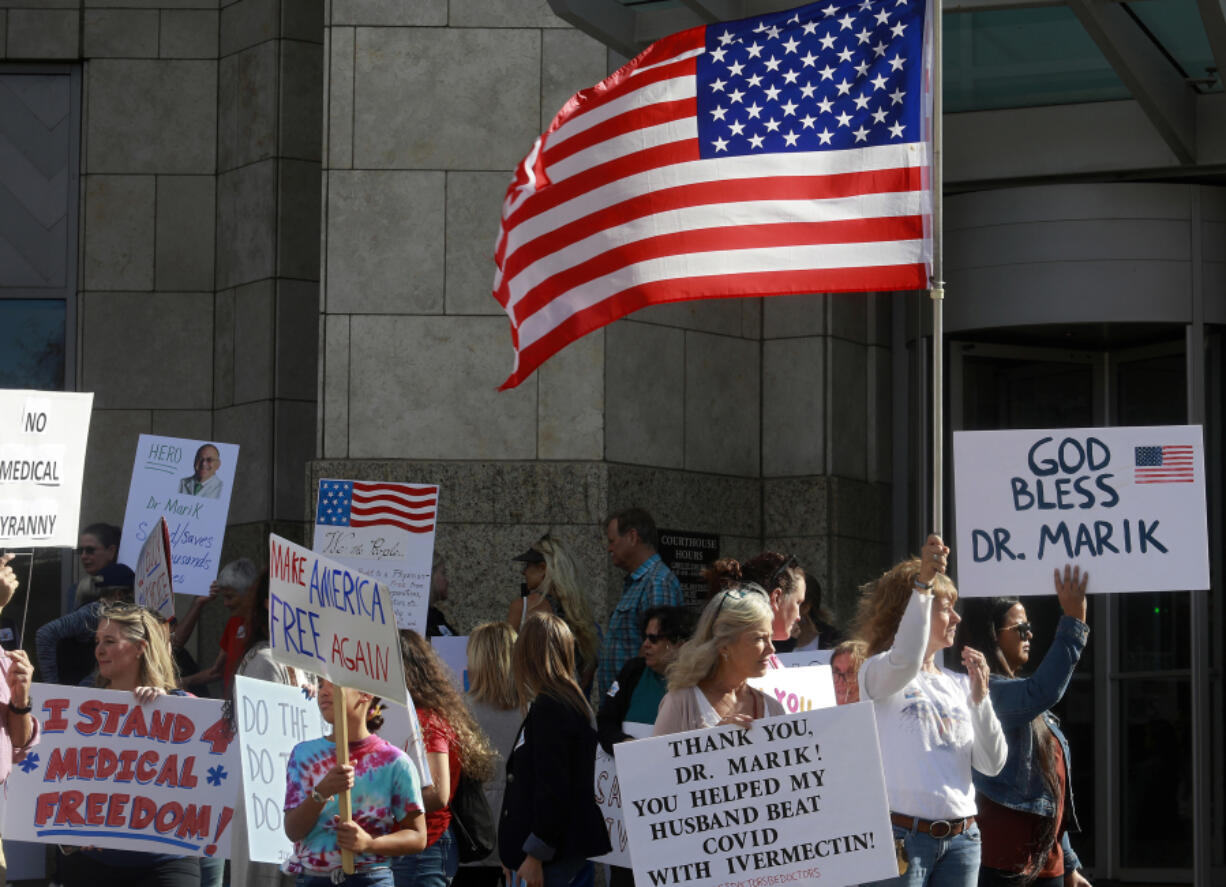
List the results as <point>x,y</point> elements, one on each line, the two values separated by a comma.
<point>934,558</point>
<point>8,579</point>
<point>1071,590</point>
<point>335,781</point>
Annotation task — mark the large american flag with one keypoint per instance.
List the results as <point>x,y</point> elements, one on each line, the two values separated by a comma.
<point>782,154</point>
<point>351,503</point>
<point>1164,464</point>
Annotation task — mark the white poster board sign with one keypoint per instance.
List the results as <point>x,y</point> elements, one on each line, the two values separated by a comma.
<point>331,620</point>
<point>805,657</point>
<point>799,688</point>
<point>402,729</point>
<point>109,772</point>
<point>386,531</point>
<point>1126,504</point>
<point>453,650</point>
<point>715,808</point>
<point>187,482</point>
<point>609,799</point>
<point>154,584</point>
<point>42,463</point>
<point>272,719</point>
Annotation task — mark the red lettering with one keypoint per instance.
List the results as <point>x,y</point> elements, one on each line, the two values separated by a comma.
<point>107,762</point>
<point>187,779</point>
<point>93,808</point>
<point>219,736</point>
<point>195,822</point>
<point>90,709</point>
<point>115,810</point>
<point>184,729</point>
<point>55,722</point>
<point>87,757</point>
<point>169,815</point>
<point>143,811</point>
<point>146,767</point>
<point>114,711</point>
<point>127,758</point>
<point>170,772</point>
<point>160,724</point>
<point>61,765</point>
<point>135,723</point>
<point>360,659</point>
<point>67,813</point>
<point>44,807</point>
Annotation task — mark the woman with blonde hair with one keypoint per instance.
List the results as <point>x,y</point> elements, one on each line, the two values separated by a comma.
<point>494,702</point>
<point>551,582</point>
<point>550,823</point>
<point>934,725</point>
<point>845,662</point>
<point>707,685</point>
<point>133,654</point>
<point>454,745</point>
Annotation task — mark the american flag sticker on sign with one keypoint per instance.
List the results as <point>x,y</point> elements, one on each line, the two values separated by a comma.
<point>349,503</point>
<point>1165,464</point>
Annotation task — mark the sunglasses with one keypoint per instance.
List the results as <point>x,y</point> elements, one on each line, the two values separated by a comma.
<point>737,594</point>
<point>656,638</point>
<point>1023,629</point>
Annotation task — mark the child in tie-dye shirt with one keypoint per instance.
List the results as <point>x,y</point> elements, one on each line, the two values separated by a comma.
<point>388,818</point>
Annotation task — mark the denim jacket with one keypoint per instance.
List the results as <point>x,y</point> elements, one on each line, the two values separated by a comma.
<point>1017,702</point>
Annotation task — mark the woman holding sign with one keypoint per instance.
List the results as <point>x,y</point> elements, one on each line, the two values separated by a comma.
<point>133,653</point>
<point>934,725</point>
<point>550,823</point>
<point>1026,810</point>
<point>387,818</point>
<point>707,685</point>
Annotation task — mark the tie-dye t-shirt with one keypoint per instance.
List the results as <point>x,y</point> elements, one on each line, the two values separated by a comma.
<point>385,791</point>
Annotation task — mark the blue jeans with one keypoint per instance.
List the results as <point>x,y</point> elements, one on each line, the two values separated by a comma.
<point>433,867</point>
<point>938,862</point>
<point>379,876</point>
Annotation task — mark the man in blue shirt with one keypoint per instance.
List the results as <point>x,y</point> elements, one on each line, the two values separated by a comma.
<point>632,543</point>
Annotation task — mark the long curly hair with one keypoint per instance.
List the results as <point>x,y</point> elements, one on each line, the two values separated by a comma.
<point>883,600</point>
<point>725,618</point>
<point>429,683</point>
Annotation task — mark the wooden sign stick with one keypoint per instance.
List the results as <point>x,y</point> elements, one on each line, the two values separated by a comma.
<point>340,725</point>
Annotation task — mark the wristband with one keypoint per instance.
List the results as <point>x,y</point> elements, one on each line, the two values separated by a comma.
<point>22,711</point>
<point>318,798</point>
<point>922,586</point>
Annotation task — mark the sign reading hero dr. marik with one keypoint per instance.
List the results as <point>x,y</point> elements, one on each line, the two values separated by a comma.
<point>1126,504</point>
<point>42,462</point>
<point>159,777</point>
<point>791,799</point>
<point>333,621</point>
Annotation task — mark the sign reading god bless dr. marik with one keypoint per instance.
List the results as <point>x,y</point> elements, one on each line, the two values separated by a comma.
<point>333,621</point>
<point>162,777</point>
<point>42,463</point>
<point>790,799</point>
<point>1126,504</point>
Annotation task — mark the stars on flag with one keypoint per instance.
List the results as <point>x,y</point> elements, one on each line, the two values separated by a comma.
<point>335,500</point>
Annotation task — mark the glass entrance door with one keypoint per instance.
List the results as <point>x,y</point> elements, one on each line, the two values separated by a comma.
<point>1127,712</point>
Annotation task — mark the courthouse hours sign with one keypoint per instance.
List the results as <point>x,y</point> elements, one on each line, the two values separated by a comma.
<point>1126,504</point>
<point>790,799</point>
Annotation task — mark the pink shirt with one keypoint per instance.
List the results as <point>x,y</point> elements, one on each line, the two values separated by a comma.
<point>9,755</point>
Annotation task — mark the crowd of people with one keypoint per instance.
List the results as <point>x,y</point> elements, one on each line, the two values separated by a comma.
<point>975,765</point>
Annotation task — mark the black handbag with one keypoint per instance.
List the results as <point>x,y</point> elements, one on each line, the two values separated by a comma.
<point>473,820</point>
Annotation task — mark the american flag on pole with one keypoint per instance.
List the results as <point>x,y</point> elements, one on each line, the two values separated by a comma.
<point>1166,464</point>
<point>787,153</point>
<point>351,503</point>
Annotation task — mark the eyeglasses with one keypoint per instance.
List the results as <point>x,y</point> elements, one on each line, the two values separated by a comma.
<point>782,568</point>
<point>850,675</point>
<point>1023,629</point>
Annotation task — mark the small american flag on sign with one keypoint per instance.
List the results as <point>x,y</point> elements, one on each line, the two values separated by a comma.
<point>350,503</point>
<point>1167,464</point>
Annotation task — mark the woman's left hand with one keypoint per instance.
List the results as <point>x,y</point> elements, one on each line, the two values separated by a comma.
<point>147,694</point>
<point>352,837</point>
<point>531,872</point>
<point>977,667</point>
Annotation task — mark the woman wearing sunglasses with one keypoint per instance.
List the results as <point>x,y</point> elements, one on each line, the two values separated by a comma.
<point>707,684</point>
<point>779,575</point>
<point>1026,811</point>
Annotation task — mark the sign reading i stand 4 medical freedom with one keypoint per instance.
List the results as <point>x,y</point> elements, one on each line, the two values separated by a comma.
<point>791,798</point>
<point>272,719</point>
<point>385,530</point>
<point>162,777</point>
<point>1126,504</point>
<point>333,621</point>
<point>154,588</point>
<point>42,462</point>
<point>187,482</point>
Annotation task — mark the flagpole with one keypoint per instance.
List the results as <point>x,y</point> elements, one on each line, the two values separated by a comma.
<point>936,289</point>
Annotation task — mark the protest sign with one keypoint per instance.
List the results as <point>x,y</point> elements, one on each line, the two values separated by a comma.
<point>609,799</point>
<point>109,772</point>
<point>187,482</point>
<point>42,463</point>
<point>453,650</point>
<point>333,621</point>
<point>154,585</point>
<point>807,657</point>
<point>798,688</point>
<point>791,798</point>
<point>1127,504</point>
<point>402,729</point>
<point>386,531</point>
<point>272,719</point>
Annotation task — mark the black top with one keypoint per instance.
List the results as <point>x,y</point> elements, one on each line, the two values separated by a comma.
<point>549,808</point>
<point>616,703</point>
